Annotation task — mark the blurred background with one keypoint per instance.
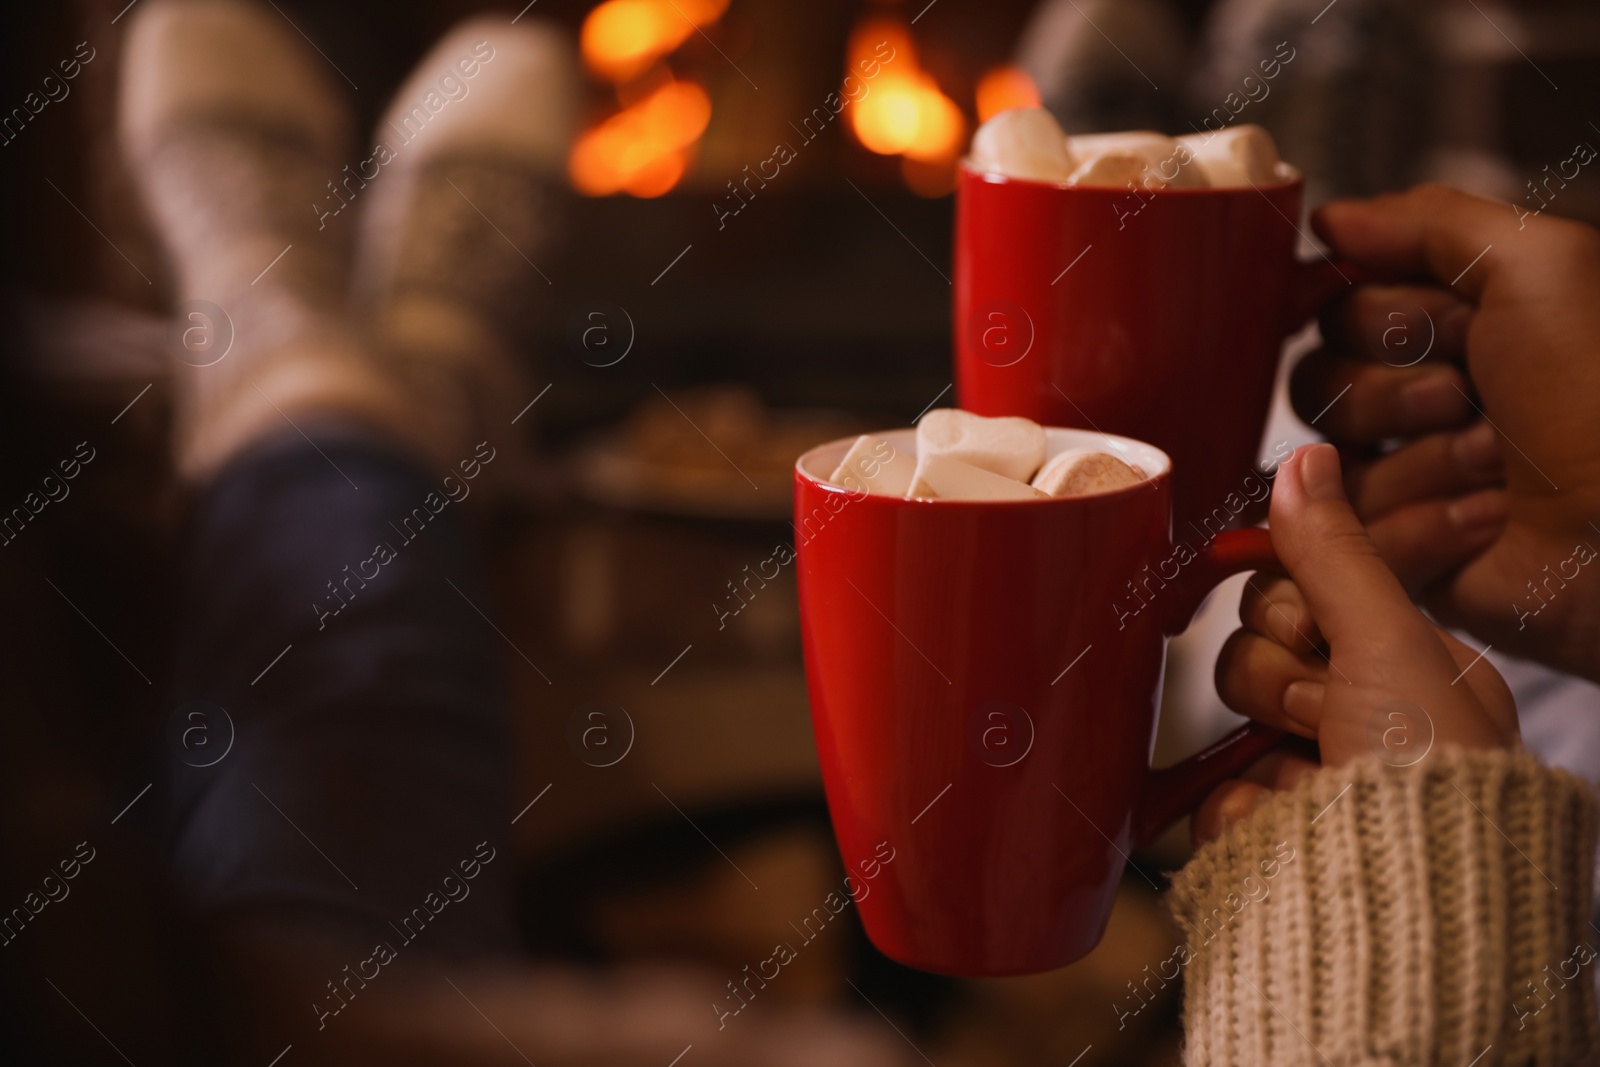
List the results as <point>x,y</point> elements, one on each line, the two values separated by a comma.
<point>682,301</point>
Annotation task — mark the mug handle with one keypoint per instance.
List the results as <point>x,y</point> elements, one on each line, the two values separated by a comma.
<point>1172,792</point>
<point>1314,283</point>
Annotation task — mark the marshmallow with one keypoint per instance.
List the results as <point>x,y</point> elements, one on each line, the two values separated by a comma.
<point>943,477</point>
<point>872,463</point>
<point>1011,447</point>
<point>1235,156</point>
<point>1079,473</point>
<point>1023,143</point>
<point>1141,157</point>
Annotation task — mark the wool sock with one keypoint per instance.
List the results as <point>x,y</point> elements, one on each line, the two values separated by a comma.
<point>456,228</point>
<point>234,128</point>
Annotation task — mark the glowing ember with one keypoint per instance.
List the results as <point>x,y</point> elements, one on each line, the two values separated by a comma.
<point>1004,88</point>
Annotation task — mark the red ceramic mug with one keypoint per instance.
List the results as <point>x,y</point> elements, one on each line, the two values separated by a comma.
<point>1159,315</point>
<point>984,680</point>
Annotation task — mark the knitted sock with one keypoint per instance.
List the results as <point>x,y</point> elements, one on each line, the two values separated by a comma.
<point>466,177</point>
<point>234,132</point>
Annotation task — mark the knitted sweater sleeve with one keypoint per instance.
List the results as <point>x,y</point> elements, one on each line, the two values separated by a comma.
<point>1434,914</point>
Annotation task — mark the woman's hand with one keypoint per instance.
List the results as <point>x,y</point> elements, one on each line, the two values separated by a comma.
<point>1337,653</point>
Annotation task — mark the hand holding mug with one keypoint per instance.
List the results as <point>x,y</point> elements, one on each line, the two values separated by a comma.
<point>1481,361</point>
<point>1336,652</point>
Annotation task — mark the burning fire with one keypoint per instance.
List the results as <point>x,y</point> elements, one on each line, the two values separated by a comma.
<point>621,39</point>
<point>906,114</point>
<point>645,148</point>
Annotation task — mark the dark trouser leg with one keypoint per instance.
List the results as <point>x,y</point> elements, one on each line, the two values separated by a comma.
<point>371,767</point>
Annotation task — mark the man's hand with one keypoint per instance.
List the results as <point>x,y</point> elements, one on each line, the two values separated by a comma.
<point>1483,360</point>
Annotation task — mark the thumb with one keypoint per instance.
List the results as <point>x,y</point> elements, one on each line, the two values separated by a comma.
<point>1354,597</point>
<point>1383,652</point>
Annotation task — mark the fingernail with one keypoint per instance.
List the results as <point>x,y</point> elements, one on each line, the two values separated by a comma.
<point>1319,473</point>
<point>1433,399</point>
<point>1478,510</point>
<point>1302,702</point>
<point>1477,448</point>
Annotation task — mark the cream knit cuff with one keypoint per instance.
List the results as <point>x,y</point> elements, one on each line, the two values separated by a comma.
<point>1434,914</point>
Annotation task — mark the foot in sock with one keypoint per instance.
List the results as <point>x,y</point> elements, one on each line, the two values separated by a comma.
<point>455,230</point>
<point>233,130</point>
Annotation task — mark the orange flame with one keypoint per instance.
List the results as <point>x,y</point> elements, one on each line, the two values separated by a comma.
<point>621,39</point>
<point>645,148</point>
<point>1004,88</point>
<point>905,113</point>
